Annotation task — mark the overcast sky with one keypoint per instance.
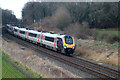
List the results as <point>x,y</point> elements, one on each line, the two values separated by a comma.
<point>14,5</point>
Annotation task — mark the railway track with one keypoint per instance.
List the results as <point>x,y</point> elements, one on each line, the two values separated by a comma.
<point>94,69</point>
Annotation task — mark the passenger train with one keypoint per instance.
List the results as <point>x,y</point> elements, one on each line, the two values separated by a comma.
<point>58,42</point>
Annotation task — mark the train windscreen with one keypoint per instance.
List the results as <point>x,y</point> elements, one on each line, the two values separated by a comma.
<point>68,40</point>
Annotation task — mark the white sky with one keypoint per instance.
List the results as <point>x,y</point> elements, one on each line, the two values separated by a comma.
<point>14,5</point>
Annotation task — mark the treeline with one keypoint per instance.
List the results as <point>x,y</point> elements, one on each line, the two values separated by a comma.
<point>8,17</point>
<point>97,15</point>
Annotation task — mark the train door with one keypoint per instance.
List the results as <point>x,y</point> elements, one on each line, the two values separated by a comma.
<point>59,44</point>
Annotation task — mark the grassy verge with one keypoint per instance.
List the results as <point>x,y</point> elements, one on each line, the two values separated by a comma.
<point>108,45</point>
<point>101,43</point>
<point>27,70</point>
<point>8,71</point>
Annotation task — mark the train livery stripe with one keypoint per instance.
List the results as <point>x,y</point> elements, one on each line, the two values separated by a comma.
<point>18,32</point>
<point>41,38</point>
<point>55,41</point>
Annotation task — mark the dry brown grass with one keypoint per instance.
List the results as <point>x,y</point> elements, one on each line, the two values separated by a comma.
<point>79,30</point>
<point>101,54</point>
<point>106,37</point>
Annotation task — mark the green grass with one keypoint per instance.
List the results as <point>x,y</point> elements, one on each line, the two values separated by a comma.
<point>114,32</point>
<point>8,71</point>
<point>107,45</point>
<point>28,71</point>
<point>101,44</point>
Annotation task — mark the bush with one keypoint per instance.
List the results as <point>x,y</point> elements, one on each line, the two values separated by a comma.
<point>79,30</point>
<point>62,18</point>
<point>95,35</point>
<point>83,36</point>
<point>110,38</point>
<point>73,29</point>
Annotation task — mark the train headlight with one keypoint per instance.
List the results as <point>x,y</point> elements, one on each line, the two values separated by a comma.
<point>65,47</point>
<point>73,47</point>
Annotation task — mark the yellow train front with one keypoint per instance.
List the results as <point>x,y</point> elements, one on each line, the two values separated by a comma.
<point>66,44</point>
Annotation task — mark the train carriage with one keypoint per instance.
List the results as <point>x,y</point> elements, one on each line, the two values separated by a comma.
<point>49,40</point>
<point>22,33</point>
<point>34,36</point>
<point>16,30</point>
<point>61,43</point>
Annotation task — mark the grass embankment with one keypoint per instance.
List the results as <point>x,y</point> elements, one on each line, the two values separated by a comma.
<point>107,45</point>
<point>8,71</point>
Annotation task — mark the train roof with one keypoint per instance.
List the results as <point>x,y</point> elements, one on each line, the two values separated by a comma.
<point>39,32</point>
<point>16,27</point>
<point>23,29</point>
<point>8,24</point>
<point>34,31</point>
<point>53,35</point>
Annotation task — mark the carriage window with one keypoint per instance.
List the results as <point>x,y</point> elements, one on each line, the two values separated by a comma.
<point>68,40</point>
<point>16,30</point>
<point>49,39</point>
<point>22,32</point>
<point>8,27</point>
<point>32,35</point>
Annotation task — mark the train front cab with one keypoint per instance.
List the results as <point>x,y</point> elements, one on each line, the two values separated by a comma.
<point>69,45</point>
<point>66,45</point>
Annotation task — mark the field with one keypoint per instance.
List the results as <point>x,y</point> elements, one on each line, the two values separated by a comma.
<point>114,32</point>
<point>8,71</point>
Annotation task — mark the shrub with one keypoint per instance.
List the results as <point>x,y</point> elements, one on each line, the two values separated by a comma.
<point>95,35</point>
<point>73,29</point>
<point>83,36</point>
<point>62,18</point>
<point>110,38</point>
<point>79,30</point>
